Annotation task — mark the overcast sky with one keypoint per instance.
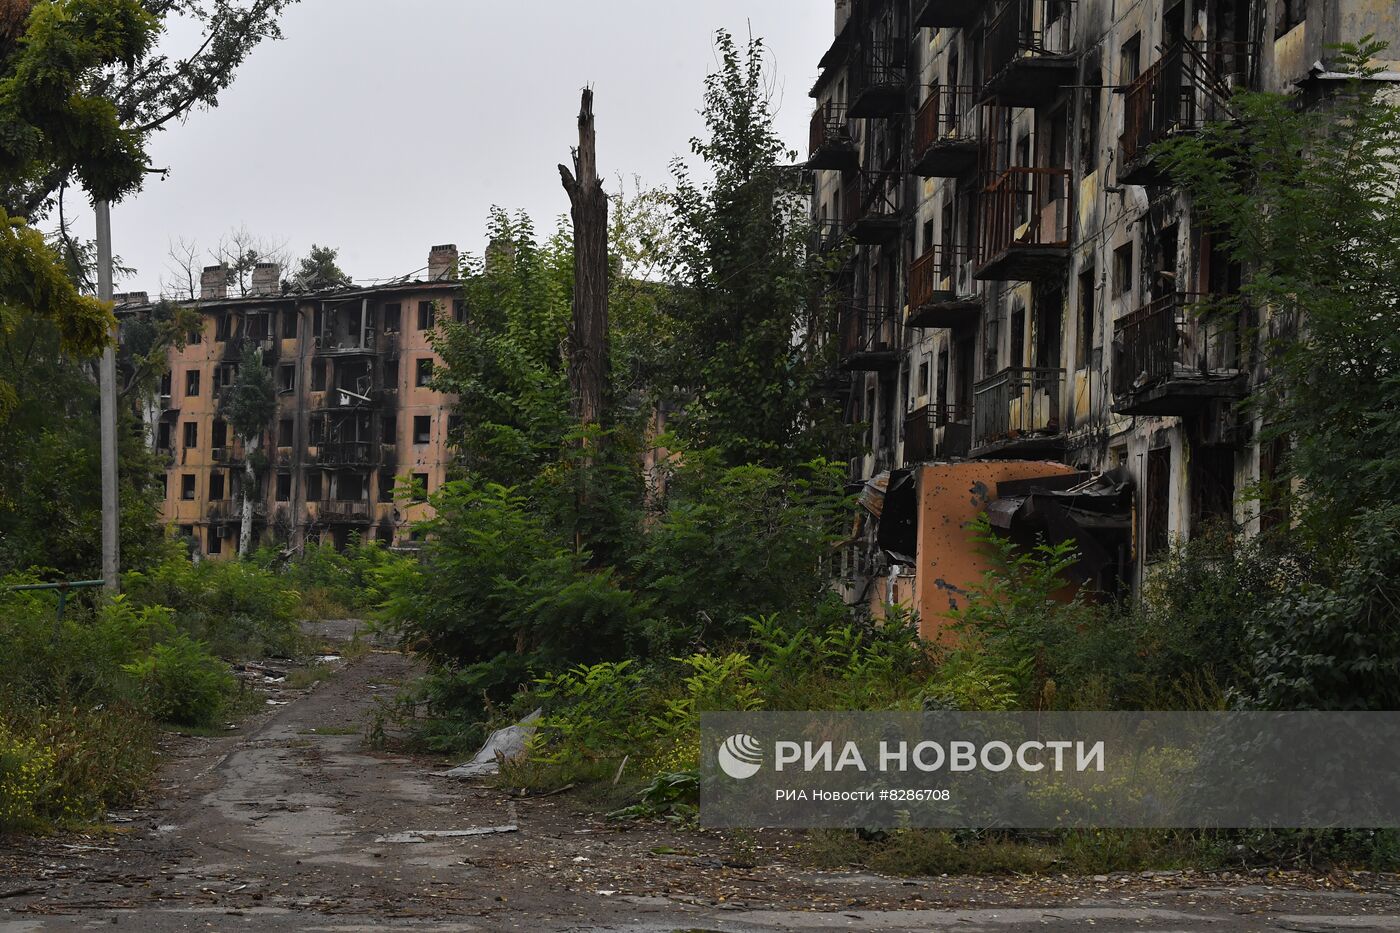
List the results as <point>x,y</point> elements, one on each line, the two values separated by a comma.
<point>383,128</point>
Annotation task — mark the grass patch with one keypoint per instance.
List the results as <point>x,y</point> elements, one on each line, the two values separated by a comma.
<point>304,677</point>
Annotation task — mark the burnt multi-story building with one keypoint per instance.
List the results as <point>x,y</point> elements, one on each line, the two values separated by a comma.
<point>1019,280</point>
<point>359,438</point>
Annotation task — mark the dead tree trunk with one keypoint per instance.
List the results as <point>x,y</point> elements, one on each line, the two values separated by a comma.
<point>588,332</point>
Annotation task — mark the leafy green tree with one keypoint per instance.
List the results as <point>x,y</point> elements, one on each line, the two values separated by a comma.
<point>1304,199</point>
<point>319,269</point>
<point>83,85</point>
<point>249,407</point>
<point>747,352</point>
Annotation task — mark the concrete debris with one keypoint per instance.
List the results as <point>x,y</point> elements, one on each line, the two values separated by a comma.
<point>423,835</point>
<point>504,745</point>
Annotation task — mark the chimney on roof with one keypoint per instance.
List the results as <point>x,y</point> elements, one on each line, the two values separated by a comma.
<point>442,263</point>
<point>213,283</point>
<point>267,278</point>
<point>131,298</point>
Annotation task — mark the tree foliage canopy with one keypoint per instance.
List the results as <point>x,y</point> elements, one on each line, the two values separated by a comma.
<point>747,350</point>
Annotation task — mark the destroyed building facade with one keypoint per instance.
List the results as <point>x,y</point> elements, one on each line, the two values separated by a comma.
<point>1016,278</point>
<point>360,436</point>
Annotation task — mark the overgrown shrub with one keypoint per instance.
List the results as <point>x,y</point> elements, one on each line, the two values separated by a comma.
<point>181,683</point>
<point>335,583</point>
<point>238,609</point>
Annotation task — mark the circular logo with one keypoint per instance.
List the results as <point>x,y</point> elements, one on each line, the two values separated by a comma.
<point>740,756</point>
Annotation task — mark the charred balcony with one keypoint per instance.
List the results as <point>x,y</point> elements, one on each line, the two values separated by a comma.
<point>1025,225</point>
<point>348,454</point>
<point>869,337</point>
<point>832,145</point>
<point>366,344</point>
<point>872,208</point>
<point>941,292</point>
<point>936,432</point>
<point>956,14</point>
<point>1189,86</point>
<point>341,512</point>
<point>879,81</point>
<point>1177,354</point>
<point>1028,53</point>
<point>1016,413</point>
<point>946,133</point>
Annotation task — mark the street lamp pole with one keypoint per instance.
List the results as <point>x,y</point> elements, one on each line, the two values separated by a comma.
<point>111,521</point>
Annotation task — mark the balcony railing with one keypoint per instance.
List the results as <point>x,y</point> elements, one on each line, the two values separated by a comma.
<point>878,77</point>
<point>1176,353</point>
<point>1189,86</point>
<point>1025,225</point>
<point>832,145</point>
<point>946,133</point>
<point>1028,52</point>
<point>869,336</point>
<point>1019,404</point>
<point>941,292</point>
<point>925,430</point>
<point>343,511</point>
<point>352,344</point>
<point>222,511</point>
<point>872,207</point>
<point>347,453</point>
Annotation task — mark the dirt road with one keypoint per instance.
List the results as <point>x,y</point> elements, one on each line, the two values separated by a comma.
<point>291,824</point>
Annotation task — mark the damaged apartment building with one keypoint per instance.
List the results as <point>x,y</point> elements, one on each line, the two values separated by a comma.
<point>1028,311</point>
<point>357,427</point>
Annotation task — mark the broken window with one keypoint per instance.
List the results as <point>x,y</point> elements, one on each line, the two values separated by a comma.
<point>386,485</point>
<point>318,375</point>
<point>424,373</point>
<point>223,327</point>
<point>1212,485</point>
<point>393,318</point>
<point>420,487</point>
<point>289,325</point>
<point>1130,59</point>
<point>164,485</point>
<point>165,381</point>
<point>389,429</point>
<point>427,315</point>
<point>1085,342</point>
<point>923,378</point>
<point>351,487</point>
<point>459,311</point>
<point>1091,103</point>
<point>313,486</point>
<point>216,486</point>
<point>196,336</point>
<point>286,377</point>
<point>220,432</point>
<point>422,429</point>
<point>318,432</point>
<point>284,432</point>
<point>391,375</point>
<point>1157,506</point>
<point>191,383</point>
<point>187,487</point>
<point>1123,269</point>
<point>1288,14</point>
<point>191,434</point>
<point>284,487</point>
<point>163,436</point>
<point>216,539</point>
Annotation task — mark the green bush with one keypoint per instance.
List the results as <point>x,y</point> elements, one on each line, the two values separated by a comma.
<point>181,683</point>
<point>238,609</point>
<point>336,583</point>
